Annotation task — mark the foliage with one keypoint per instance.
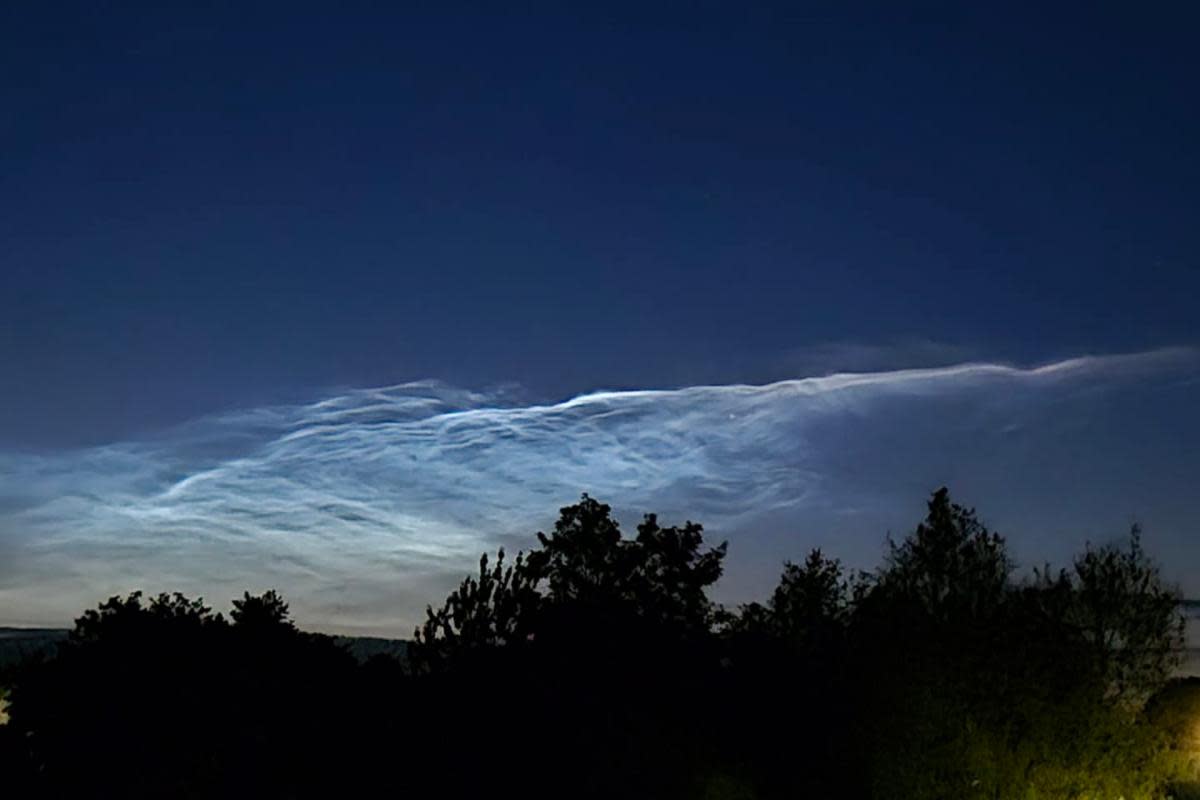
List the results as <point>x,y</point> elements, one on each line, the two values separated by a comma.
<point>493,610</point>
<point>584,570</point>
<point>999,689</point>
<point>951,567</point>
<point>264,612</point>
<point>165,698</point>
<point>661,574</point>
<point>807,609</point>
<point>597,666</point>
<point>128,620</point>
<point>1128,617</point>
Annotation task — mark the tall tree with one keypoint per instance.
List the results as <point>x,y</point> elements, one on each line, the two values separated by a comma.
<point>493,610</point>
<point>951,567</point>
<point>1130,617</point>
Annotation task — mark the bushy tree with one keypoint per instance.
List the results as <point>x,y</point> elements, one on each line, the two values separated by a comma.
<point>785,687</point>
<point>661,575</point>
<point>584,579</point>
<point>1130,618</point>
<point>494,610</point>
<point>807,607</point>
<point>978,686</point>
<point>601,638</point>
<point>951,568</point>
<point>164,698</point>
<point>129,620</point>
<point>596,666</point>
<point>262,613</point>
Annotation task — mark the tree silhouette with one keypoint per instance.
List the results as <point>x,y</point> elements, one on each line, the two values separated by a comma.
<point>952,567</point>
<point>807,608</point>
<point>164,698</point>
<point>585,578</point>
<point>262,612</point>
<point>976,686</point>
<point>129,620</point>
<point>496,609</point>
<point>660,574</point>
<point>601,638</point>
<point>597,666</point>
<point>1129,617</point>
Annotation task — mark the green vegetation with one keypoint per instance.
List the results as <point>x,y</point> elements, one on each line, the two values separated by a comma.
<point>596,666</point>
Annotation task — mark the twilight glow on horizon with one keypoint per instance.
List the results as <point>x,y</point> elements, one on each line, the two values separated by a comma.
<point>364,507</point>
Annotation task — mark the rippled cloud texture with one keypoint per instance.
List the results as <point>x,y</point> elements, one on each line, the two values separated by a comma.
<point>363,507</point>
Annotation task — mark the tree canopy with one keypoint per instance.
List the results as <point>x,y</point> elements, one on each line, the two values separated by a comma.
<point>597,665</point>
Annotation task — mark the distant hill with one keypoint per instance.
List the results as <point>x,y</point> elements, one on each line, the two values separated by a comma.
<point>20,643</point>
<point>364,647</point>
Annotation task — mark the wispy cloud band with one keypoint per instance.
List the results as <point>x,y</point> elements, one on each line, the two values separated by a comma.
<point>365,506</point>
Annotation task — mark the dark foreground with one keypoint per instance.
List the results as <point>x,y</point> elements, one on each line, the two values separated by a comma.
<point>595,666</point>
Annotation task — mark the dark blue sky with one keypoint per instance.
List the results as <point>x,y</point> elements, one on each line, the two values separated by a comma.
<point>222,207</point>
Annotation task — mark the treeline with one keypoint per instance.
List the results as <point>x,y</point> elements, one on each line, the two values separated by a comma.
<point>596,666</point>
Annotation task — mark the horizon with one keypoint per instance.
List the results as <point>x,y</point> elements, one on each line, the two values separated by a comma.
<point>761,466</point>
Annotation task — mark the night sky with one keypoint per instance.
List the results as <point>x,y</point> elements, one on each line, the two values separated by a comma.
<point>332,300</point>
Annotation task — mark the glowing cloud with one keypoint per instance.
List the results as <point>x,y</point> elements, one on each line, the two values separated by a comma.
<point>361,508</point>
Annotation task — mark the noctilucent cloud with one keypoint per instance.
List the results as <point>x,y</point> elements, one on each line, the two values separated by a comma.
<point>365,506</point>
<point>797,267</point>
